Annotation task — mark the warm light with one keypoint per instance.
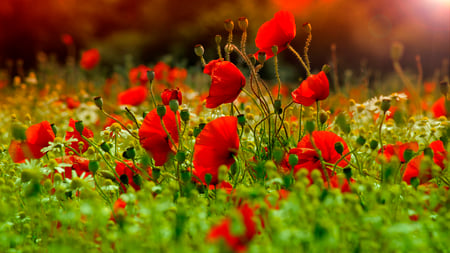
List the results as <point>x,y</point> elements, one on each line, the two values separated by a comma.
<point>440,2</point>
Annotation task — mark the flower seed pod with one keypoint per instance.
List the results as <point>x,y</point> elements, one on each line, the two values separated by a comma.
<point>243,23</point>
<point>199,50</point>
<point>229,25</point>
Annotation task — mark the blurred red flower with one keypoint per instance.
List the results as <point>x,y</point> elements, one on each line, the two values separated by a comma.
<point>139,74</point>
<point>216,144</point>
<point>308,158</point>
<point>72,103</point>
<point>314,88</point>
<point>130,171</point>
<point>236,242</point>
<point>133,96</point>
<point>38,137</point>
<point>75,134</point>
<point>90,59</point>
<point>227,82</point>
<point>279,31</point>
<point>169,94</point>
<point>438,108</point>
<point>154,139</point>
<point>67,39</point>
<point>177,75</point>
<point>161,71</point>
<point>414,168</point>
<point>398,150</point>
<point>80,166</point>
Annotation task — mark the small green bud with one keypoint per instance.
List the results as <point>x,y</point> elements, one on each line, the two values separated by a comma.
<point>310,126</point>
<point>278,154</point>
<point>93,166</point>
<point>326,68</point>
<point>137,179</point>
<point>185,176</point>
<point>124,179</point>
<point>229,25</point>
<point>222,172</point>
<point>173,105</point>
<point>243,23</point>
<point>323,117</point>
<point>408,155</point>
<point>208,178</point>
<point>277,106</point>
<point>361,141</point>
<point>161,110</point>
<point>30,174</point>
<point>18,131</point>
<point>218,40</point>
<point>373,144</point>
<point>129,153</point>
<point>275,49</point>
<point>252,59</point>
<point>293,160</point>
<point>241,119</point>
<point>415,182</point>
<point>79,126</point>
<point>105,147</point>
<point>261,57</point>
<point>150,75</point>
<point>184,114</point>
<point>107,174</point>
<point>54,129</point>
<point>76,183</point>
<point>156,173</point>
<point>385,105</point>
<point>180,156</point>
<point>199,50</point>
<point>197,131</point>
<point>99,102</point>
<point>348,173</point>
<point>428,152</point>
<point>339,147</point>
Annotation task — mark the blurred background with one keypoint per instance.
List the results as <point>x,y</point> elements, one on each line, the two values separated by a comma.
<point>151,30</point>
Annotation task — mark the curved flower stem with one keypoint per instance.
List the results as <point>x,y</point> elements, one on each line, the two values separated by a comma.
<point>72,149</point>
<point>167,132</point>
<point>120,123</point>
<point>133,117</point>
<point>306,49</point>
<point>308,72</point>
<point>277,74</point>
<point>342,158</point>
<point>151,92</point>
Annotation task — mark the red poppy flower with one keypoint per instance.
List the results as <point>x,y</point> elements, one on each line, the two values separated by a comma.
<point>133,96</point>
<point>154,139</point>
<point>38,137</point>
<point>139,74</point>
<point>90,59</point>
<point>308,158</point>
<point>227,82</point>
<point>119,208</point>
<point>438,108</point>
<point>216,144</point>
<point>75,134</point>
<point>169,94</point>
<point>161,71</point>
<point>130,171</point>
<point>414,168</point>
<point>177,75</point>
<point>235,242</point>
<point>80,166</point>
<point>279,31</point>
<point>67,39</point>
<point>398,150</point>
<point>314,88</point>
<point>72,103</point>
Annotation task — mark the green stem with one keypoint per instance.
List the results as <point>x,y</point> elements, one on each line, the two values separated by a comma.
<point>308,72</point>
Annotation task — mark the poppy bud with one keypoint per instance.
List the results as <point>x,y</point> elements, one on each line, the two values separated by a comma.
<point>208,178</point>
<point>107,174</point>
<point>229,25</point>
<point>261,57</point>
<point>274,49</point>
<point>173,105</point>
<point>309,126</point>
<point>105,147</point>
<point>277,106</point>
<point>79,127</point>
<point>222,173</point>
<point>137,179</point>
<point>278,154</point>
<point>307,27</point>
<point>18,131</point>
<point>428,152</point>
<point>93,166</point>
<point>129,153</point>
<point>30,174</point>
<point>197,131</point>
<point>339,147</point>
<point>218,40</point>
<point>124,179</point>
<point>243,23</point>
<point>99,102</point>
<point>415,182</point>
<point>156,173</point>
<point>161,110</point>
<point>323,117</point>
<point>241,119</point>
<point>360,141</point>
<point>348,173</point>
<point>444,87</point>
<point>150,75</point>
<point>326,68</point>
<point>373,144</point>
<point>199,50</point>
<point>171,94</point>
<point>385,105</point>
<point>252,58</point>
<point>184,114</point>
<point>408,154</point>
<point>180,156</point>
<point>293,160</point>
<point>396,51</point>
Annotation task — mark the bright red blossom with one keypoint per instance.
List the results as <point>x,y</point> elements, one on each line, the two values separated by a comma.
<point>75,134</point>
<point>308,158</point>
<point>133,96</point>
<point>169,94</point>
<point>438,108</point>
<point>139,75</point>
<point>216,144</point>
<point>130,171</point>
<point>227,82</point>
<point>80,166</point>
<point>90,59</point>
<point>38,137</point>
<point>154,139</point>
<point>279,31</point>
<point>314,88</point>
